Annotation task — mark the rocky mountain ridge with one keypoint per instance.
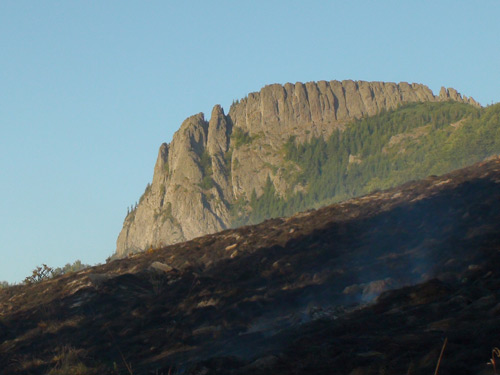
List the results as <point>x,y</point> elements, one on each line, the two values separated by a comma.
<point>210,165</point>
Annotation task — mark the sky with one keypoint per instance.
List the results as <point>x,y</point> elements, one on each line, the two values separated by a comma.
<point>89,90</point>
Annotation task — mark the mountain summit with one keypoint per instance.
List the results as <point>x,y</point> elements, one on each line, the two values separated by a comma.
<point>205,179</point>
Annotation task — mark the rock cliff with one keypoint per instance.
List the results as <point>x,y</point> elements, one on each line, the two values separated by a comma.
<point>211,165</point>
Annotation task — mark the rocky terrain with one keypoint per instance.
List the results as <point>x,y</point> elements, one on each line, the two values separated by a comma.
<point>211,164</point>
<point>369,286</point>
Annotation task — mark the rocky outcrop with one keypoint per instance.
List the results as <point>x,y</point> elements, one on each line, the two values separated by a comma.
<point>209,165</point>
<point>176,206</point>
<point>452,94</point>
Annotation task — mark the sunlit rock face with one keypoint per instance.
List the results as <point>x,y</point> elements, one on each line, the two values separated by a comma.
<point>211,164</point>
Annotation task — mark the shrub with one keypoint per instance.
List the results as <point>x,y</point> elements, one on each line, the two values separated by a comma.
<point>4,284</point>
<point>40,273</point>
<point>75,267</point>
<point>240,138</point>
<point>206,183</point>
<point>206,163</point>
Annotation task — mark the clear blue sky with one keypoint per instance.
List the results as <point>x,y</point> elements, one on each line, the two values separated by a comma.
<point>90,89</point>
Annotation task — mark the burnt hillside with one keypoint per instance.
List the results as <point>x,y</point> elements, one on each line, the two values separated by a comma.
<point>369,286</point>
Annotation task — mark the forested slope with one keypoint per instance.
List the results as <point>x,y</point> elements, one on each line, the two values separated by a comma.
<point>378,152</point>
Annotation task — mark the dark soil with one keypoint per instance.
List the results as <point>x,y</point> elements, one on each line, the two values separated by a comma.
<point>370,286</point>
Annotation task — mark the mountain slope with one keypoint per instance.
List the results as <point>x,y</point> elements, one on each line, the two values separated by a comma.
<point>296,295</point>
<point>205,178</point>
<point>378,152</point>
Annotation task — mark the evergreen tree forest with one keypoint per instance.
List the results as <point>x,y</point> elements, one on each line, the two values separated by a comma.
<point>379,152</point>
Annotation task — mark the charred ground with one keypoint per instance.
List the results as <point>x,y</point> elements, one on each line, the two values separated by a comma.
<point>369,286</point>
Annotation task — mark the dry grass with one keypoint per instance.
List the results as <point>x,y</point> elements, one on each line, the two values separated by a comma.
<point>494,353</point>
<point>441,356</point>
<point>68,360</point>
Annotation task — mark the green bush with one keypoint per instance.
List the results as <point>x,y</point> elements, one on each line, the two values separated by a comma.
<point>240,138</point>
<point>206,163</point>
<point>207,183</point>
<point>76,266</point>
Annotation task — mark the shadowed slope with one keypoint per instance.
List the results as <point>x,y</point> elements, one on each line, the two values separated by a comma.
<point>289,295</point>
